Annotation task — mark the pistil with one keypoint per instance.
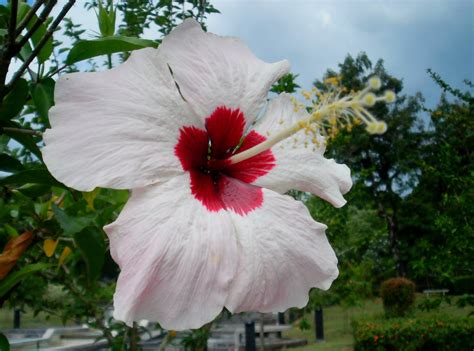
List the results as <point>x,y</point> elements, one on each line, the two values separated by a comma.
<point>329,113</point>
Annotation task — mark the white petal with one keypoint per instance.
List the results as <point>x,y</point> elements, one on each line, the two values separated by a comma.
<point>283,253</point>
<point>177,259</point>
<point>117,128</point>
<point>299,164</point>
<point>212,71</point>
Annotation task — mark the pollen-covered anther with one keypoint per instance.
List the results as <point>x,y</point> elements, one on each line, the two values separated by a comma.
<point>306,94</point>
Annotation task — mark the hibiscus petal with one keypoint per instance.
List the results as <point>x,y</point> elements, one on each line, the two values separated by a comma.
<point>300,165</point>
<point>117,128</point>
<point>214,71</point>
<point>177,258</point>
<point>283,253</point>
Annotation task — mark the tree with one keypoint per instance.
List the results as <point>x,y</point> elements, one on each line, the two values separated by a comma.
<point>438,213</point>
<point>386,167</point>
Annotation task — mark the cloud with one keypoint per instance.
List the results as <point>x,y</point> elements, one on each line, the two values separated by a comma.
<point>410,36</point>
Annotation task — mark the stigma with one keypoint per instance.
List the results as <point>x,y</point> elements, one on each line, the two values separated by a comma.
<point>330,111</point>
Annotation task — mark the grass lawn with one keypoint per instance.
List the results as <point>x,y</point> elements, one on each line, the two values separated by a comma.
<point>27,320</point>
<point>337,328</point>
<point>337,325</point>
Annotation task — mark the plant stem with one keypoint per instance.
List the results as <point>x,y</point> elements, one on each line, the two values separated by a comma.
<point>24,22</point>
<point>12,24</point>
<point>41,19</point>
<point>21,130</point>
<point>109,60</point>
<point>56,71</point>
<point>134,337</point>
<point>42,42</point>
<point>6,51</point>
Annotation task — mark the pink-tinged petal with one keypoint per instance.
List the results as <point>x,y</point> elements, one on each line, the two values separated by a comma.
<point>213,71</point>
<point>117,128</point>
<point>177,259</point>
<point>299,163</point>
<point>283,253</point>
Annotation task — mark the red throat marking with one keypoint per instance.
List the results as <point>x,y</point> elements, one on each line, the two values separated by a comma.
<point>215,182</point>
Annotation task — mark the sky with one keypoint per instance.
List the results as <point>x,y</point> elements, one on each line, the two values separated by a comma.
<point>410,35</point>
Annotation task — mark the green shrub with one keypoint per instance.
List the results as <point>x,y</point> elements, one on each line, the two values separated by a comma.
<point>398,295</point>
<point>436,333</point>
<point>463,285</point>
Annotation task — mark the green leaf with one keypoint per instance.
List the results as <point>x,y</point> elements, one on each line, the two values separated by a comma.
<point>4,344</point>
<point>86,49</point>
<point>9,164</point>
<point>43,97</point>
<point>25,50</point>
<point>91,244</point>
<point>14,278</point>
<point>71,224</point>
<point>47,49</point>
<point>15,100</point>
<point>28,141</point>
<point>34,176</point>
<point>34,190</point>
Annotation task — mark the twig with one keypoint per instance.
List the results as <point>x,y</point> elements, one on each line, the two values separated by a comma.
<point>60,199</point>
<point>165,341</point>
<point>41,19</point>
<point>20,130</point>
<point>12,24</point>
<point>6,50</point>
<point>24,22</point>
<point>42,42</point>
<point>56,71</point>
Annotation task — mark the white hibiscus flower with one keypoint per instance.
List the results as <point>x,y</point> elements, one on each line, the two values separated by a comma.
<point>206,226</point>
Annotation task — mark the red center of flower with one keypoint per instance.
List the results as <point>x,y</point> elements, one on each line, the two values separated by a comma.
<point>216,182</point>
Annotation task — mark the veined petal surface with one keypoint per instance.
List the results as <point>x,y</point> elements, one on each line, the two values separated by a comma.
<point>117,128</point>
<point>300,165</point>
<point>177,259</point>
<point>214,71</point>
<point>283,253</point>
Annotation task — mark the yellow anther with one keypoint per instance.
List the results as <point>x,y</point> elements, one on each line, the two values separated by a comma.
<point>281,121</point>
<point>306,94</point>
<point>302,124</point>
<point>316,116</point>
<point>334,81</point>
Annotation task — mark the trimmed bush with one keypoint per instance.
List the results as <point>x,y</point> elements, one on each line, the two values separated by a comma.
<point>398,295</point>
<point>436,333</point>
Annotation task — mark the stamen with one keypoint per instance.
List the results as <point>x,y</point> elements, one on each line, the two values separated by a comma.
<point>329,113</point>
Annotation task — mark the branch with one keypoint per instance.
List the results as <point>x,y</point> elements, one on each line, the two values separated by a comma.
<point>42,42</point>
<point>6,50</point>
<point>12,25</point>
<point>41,19</point>
<point>20,130</point>
<point>24,22</point>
